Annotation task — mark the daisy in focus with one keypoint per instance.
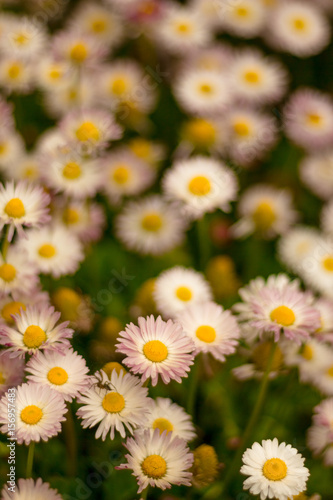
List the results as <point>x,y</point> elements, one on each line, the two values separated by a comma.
<point>277,307</point>
<point>150,226</point>
<point>201,185</point>
<point>65,372</point>
<point>158,460</point>
<point>167,416</point>
<point>40,411</point>
<point>275,470</point>
<point>178,288</point>
<point>36,329</point>
<point>118,403</point>
<point>22,205</point>
<point>212,329</point>
<point>156,349</point>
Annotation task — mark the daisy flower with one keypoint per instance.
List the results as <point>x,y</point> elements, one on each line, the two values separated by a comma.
<point>244,18</point>
<point>181,29</point>
<point>23,38</point>
<point>204,134</point>
<point>22,205</point>
<point>150,226</point>
<point>11,305</point>
<point>118,403</point>
<point>11,148</point>
<point>85,220</point>
<point>26,167</point>
<point>28,488</point>
<point>202,91</point>
<point>178,288</point>
<point>326,219</point>
<point>320,442</point>
<point>36,329</point>
<point>201,185</point>
<point>325,308</point>
<point>158,460</point>
<point>298,27</point>
<point>212,329</point>
<point>65,372</point>
<point>15,74</point>
<point>54,250</point>
<point>323,413</point>
<point>73,175</point>
<point>278,306</point>
<point>11,373</point>
<point>125,175</point>
<point>90,128</point>
<point>274,470</point>
<point>17,274</point>
<point>259,354</point>
<point>308,358</point>
<point>255,78</point>
<point>266,210</point>
<point>217,57</point>
<point>52,74</point>
<point>78,48</point>
<point>39,410</point>
<point>316,171</point>
<point>167,416</point>
<point>308,119</point>
<point>317,267</point>
<point>296,245</point>
<point>156,348</point>
<point>323,378</point>
<point>149,151</point>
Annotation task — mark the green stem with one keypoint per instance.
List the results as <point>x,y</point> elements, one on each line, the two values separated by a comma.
<point>144,494</point>
<point>249,428</point>
<point>203,243</point>
<point>192,392</point>
<point>71,443</point>
<point>30,459</point>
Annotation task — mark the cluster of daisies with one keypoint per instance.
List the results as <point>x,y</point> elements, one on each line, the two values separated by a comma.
<point>101,159</point>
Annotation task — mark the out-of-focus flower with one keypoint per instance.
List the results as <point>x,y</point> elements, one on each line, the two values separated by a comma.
<point>78,48</point>
<point>85,220</point>
<point>11,305</point>
<point>29,488</point>
<point>144,302</point>
<point>259,354</point>
<point>11,372</point>
<point>296,245</point>
<point>205,467</point>
<point>317,267</point>
<point>244,18</point>
<point>222,277</point>
<point>316,171</point>
<point>74,307</point>
<point>15,74</point>
<point>17,274</point>
<point>23,38</point>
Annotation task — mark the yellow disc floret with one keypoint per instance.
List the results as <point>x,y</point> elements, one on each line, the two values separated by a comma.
<point>328,263</point>
<point>154,466</point>
<point>152,222</point>
<point>34,337</point>
<point>199,186</point>
<point>155,351</point>
<point>10,309</point>
<point>274,469</point>
<point>184,293</point>
<point>57,376</point>
<point>31,415</point>
<point>283,315</point>
<point>163,424</point>
<point>7,272</point>
<point>88,131</point>
<point>79,53</point>
<point>206,333</point>
<point>15,208</point>
<point>47,251</point>
<point>113,402</point>
<point>72,171</point>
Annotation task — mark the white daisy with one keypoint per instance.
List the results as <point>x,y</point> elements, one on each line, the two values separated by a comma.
<point>85,220</point>
<point>317,267</point>
<point>298,27</point>
<point>118,403</point>
<point>40,411</point>
<point>27,489</point>
<point>156,348</point>
<point>150,226</point>
<point>23,38</point>
<point>36,329</point>
<point>212,329</point>
<point>316,171</point>
<point>17,274</point>
<point>323,378</point>
<point>158,460</point>
<point>204,134</point>
<point>52,74</point>
<point>26,167</point>
<point>308,358</point>
<point>326,219</point>
<point>320,442</point>
<point>202,91</point>
<point>11,305</point>
<point>274,470</point>
<point>294,246</point>
<point>244,18</point>
<point>54,250</point>
<point>147,150</point>
<point>78,48</point>
<point>22,205</point>
<point>178,288</point>
<point>65,372</point>
<point>169,417</point>
<point>11,148</point>
<point>201,185</point>
<point>15,74</point>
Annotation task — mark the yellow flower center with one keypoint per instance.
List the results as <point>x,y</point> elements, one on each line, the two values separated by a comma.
<point>206,333</point>
<point>7,272</point>
<point>163,425</point>
<point>121,174</point>
<point>55,73</point>
<point>307,352</point>
<point>275,469</point>
<point>113,402</point>
<point>79,53</point>
<point>15,208</point>
<point>72,171</point>
<point>98,25</point>
<point>328,263</point>
<point>154,466</point>
<point>152,222</point>
<point>200,132</point>
<point>119,86</point>
<point>31,415</point>
<point>3,148</point>
<point>299,24</point>
<point>21,39</point>
<point>34,337</point>
<point>71,216</point>
<point>155,351</point>
<point>14,71</point>
<point>183,28</point>
<point>264,216</point>
<point>283,315</point>
<point>205,88</point>
<point>10,309</point>
<point>141,148</point>
<point>113,365</point>
<point>199,186</point>
<point>251,77</point>
<point>2,379</point>
<point>88,131</point>
<point>183,293</point>
<point>47,251</point>
<point>242,12</point>
<point>330,371</point>
<point>261,355</point>
<point>314,119</point>
<point>57,376</point>
<point>30,172</point>
<point>242,128</point>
